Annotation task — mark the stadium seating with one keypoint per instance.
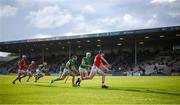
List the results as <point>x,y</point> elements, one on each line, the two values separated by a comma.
<point>149,63</point>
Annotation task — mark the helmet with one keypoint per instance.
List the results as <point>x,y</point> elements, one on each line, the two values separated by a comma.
<point>88,54</point>
<point>32,62</point>
<point>74,57</point>
<point>44,63</point>
<point>23,56</point>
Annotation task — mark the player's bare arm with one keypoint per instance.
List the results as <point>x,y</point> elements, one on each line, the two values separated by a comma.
<point>68,66</point>
<point>106,68</point>
<point>105,61</point>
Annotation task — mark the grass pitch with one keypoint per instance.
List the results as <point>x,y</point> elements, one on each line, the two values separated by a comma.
<point>123,90</point>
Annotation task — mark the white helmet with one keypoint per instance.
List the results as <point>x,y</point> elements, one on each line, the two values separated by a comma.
<point>45,63</point>
<point>88,54</point>
<point>32,62</point>
<point>23,56</point>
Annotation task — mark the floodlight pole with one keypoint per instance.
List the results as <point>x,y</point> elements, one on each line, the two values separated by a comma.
<point>135,51</point>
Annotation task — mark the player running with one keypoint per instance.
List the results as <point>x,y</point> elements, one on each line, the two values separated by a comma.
<point>21,69</point>
<point>39,71</point>
<point>29,71</point>
<point>84,67</point>
<point>61,68</point>
<point>68,70</point>
<point>96,68</point>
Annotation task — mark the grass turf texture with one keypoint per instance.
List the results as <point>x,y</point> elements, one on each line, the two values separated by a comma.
<point>123,90</point>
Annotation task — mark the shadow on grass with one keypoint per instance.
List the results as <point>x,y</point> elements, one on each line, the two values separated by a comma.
<point>142,90</point>
<point>151,91</point>
<point>42,82</point>
<point>42,85</point>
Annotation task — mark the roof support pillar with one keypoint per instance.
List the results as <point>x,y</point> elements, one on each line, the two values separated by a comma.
<point>20,52</point>
<point>135,51</point>
<point>42,55</point>
<point>69,52</point>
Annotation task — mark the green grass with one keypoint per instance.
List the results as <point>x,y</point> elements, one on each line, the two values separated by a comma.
<point>123,90</point>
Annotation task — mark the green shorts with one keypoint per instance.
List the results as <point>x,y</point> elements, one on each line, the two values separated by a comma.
<point>83,69</point>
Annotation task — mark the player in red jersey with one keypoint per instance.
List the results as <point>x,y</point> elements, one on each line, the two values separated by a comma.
<point>21,69</point>
<point>28,72</point>
<point>96,68</point>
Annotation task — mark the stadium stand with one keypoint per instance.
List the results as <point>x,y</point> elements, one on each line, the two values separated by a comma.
<point>134,52</point>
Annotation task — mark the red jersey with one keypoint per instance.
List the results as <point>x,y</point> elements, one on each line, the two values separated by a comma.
<point>97,60</point>
<point>21,64</point>
<point>30,67</point>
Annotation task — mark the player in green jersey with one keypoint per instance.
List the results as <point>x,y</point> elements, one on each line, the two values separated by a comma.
<point>39,71</point>
<point>69,69</point>
<point>61,69</point>
<point>84,67</point>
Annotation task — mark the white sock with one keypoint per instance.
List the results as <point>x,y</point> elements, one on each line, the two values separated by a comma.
<point>103,84</point>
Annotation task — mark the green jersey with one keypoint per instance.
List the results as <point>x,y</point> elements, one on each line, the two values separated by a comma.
<point>86,61</point>
<point>71,63</point>
<point>41,67</point>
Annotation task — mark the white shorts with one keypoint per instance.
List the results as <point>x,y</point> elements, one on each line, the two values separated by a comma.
<point>38,71</point>
<point>65,72</point>
<point>28,72</point>
<point>60,72</point>
<point>95,69</point>
<point>21,72</point>
<point>81,70</point>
